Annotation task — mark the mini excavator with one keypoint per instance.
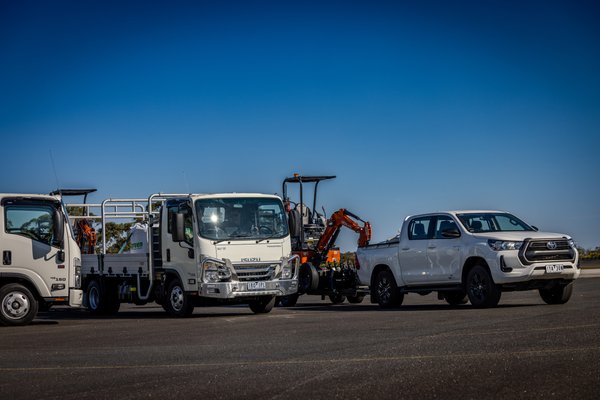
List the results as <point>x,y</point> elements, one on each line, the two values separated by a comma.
<point>313,239</point>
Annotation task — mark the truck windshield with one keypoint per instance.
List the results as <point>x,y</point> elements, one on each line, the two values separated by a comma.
<point>492,222</point>
<point>247,218</point>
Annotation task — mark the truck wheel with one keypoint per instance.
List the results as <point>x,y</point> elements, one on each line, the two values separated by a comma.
<point>263,305</point>
<point>357,299</point>
<point>386,291</point>
<point>177,303</point>
<point>456,298</point>
<point>337,298</point>
<point>308,278</point>
<point>559,294</point>
<point>101,299</point>
<point>481,289</point>
<point>288,301</point>
<point>18,305</point>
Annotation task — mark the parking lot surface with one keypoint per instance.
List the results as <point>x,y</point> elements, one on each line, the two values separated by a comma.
<point>425,349</point>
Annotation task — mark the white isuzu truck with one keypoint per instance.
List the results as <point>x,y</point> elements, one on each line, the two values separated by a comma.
<point>200,249</point>
<point>41,262</point>
<point>469,256</point>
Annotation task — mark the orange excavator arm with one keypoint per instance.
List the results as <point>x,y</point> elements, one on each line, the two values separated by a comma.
<point>343,217</point>
<point>86,236</point>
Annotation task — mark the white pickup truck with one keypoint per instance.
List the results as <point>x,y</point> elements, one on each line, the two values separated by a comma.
<point>469,255</point>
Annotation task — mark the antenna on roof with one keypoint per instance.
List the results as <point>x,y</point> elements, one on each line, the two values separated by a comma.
<point>55,173</point>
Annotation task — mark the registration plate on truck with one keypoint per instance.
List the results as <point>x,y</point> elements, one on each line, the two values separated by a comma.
<point>257,285</point>
<point>554,268</point>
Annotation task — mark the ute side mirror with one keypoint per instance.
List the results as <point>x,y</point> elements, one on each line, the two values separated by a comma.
<point>451,233</point>
<point>177,227</point>
<point>58,229</point>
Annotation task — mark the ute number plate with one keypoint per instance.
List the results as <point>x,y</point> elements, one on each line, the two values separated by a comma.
<point>554,268</point>
<point>257,285</point>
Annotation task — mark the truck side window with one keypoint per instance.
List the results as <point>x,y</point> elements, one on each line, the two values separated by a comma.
<point>444,224</point>
<point>419,228</point>
<point>33,221</point>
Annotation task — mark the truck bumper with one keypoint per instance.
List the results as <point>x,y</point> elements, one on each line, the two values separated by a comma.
<point>234,290</point>
<point>508,268</point>
<point>75,298</point>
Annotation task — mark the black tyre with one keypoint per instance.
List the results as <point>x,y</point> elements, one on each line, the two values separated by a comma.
<point>559,294</point>
<point>308,278</point>
<point>386,290</point>
<point>288,301</point>
<point>101,299</point>
<point>337,298</point>
<point>295,223</point>
<point>44,306</point>
<point>177,302</point>
<point>18,306</point>
<point>263,305</point>
<point>357,299</point>
<point>481,289</point>
<point>456,298</point>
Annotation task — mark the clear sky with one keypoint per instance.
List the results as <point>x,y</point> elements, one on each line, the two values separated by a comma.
<point>416,106</point>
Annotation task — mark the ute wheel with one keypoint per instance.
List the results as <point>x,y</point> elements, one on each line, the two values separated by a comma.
<point>337,298</point>
<point>288,301</point>
<point>18,305</point>
<point>263,305</point>
<point>357,299</point>
<point>558,294</point>
<point>177,303</point>
<point>100,299</point>
<point>455,298</point>
<point>386,291</point>
<point>308,278</point>
<point>481,289</point>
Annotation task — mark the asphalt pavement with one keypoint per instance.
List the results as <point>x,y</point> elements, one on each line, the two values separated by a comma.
<point>425,349</point>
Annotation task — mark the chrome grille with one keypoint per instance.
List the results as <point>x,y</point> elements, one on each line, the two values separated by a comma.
<point>258,272</point>
<point>547,250</point>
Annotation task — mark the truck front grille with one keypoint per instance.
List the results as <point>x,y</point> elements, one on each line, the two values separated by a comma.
<point>254,272</point>
<point>546,250</point>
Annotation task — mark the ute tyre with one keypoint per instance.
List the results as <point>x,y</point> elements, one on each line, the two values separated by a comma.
<point>456,298</point>
<point>386,290</point>
<point>308,278</point>
<point>288,301</point>
<point>177,302</point>
<point>357,299</point>
<point>337,298</point>
<point>263,305</point>
<point>559,294</point>
<point>481,289</point>
<point>18,306</point>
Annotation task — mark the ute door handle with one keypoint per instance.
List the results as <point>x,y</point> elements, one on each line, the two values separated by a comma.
<point>6,257</point>
<point>431,247</point>
<point>405,248</point>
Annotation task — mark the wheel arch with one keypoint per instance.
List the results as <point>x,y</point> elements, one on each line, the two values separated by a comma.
<point>22,280</point>
<point>470,263</point>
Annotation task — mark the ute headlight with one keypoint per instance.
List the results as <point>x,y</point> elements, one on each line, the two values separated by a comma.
<point>572,244</point>
<point>215,272</point>
<point>498,245</point>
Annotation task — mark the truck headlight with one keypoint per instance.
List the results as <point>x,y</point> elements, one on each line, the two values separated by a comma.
<point>498,245</point>
<point>287,271</point>
<point>215,272</point>
<point>77,277</point>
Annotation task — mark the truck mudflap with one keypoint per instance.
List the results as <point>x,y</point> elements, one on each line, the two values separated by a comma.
<point>75,298</point>
<point>233,290</point>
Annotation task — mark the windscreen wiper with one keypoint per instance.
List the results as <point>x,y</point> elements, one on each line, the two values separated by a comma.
<point>242,235</point>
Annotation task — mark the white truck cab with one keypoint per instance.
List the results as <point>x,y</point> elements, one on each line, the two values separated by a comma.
<point>41,262</point>
<point>472,254</point>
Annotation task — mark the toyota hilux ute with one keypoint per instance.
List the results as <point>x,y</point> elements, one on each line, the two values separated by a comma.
<point>469,256</point>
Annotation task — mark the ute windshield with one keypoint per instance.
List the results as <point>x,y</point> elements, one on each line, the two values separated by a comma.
<point>492,222</point>
<point>250,218</point>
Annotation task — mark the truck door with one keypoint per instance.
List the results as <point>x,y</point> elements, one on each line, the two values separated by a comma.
<point>28,245</point>
<point>443,251</point>
<point>414,264</point>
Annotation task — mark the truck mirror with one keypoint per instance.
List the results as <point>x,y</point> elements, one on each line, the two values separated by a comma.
<point>177,228</point>
<point>58,229</point>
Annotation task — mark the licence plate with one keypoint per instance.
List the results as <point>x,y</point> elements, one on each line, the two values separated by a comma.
<point>257,285</point>
<point>554,268</point>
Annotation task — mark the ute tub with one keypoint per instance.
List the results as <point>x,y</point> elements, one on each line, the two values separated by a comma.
<point>234,290</point>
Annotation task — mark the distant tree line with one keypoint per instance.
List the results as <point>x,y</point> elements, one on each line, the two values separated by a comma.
<point>585,254</point>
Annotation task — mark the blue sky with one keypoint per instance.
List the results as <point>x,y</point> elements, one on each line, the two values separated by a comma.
<point>415,106</point>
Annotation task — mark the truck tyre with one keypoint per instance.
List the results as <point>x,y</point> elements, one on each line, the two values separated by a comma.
<point>481,289</point>
<point>100,299</point>
<point>263,305</point>
<point>288,301</point>
<point>357,299</point>
<point>456,298</point>
<point>386,290</point>
<point>337,298</point>
<point>559,294</point>
<point>308,278</point>
<point>18,305</point>
<point>177,303</point>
